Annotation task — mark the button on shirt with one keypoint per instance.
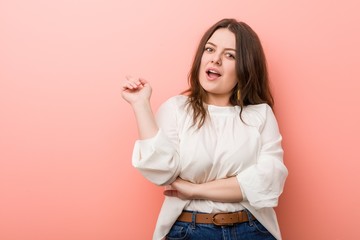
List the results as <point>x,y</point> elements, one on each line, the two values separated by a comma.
<point>225,146</point>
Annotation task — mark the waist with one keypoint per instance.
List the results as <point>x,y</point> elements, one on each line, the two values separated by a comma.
<point>207,206</point>
<point>218,219</point>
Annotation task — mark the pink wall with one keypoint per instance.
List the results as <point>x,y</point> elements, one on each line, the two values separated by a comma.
<point>66,135</point>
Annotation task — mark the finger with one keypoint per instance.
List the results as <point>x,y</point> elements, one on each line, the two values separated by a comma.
<point>169,187</point>
<point>130,84</point>
<point>171,193</point>
<point>134,80</point>
<point>127,86</point>
<point>143,81</point>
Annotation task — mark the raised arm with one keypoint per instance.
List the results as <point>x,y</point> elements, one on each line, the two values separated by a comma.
<point>137,92</point>
<point>155,154</point>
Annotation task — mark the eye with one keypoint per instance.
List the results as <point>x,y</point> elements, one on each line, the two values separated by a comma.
<point>230,55</point>
<point>209,49</point>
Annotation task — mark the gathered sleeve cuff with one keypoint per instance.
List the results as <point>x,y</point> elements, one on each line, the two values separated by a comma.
<point>157,159</point>
<point>263,182</point>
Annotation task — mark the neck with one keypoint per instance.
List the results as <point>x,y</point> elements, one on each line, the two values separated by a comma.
<point>221,101</point>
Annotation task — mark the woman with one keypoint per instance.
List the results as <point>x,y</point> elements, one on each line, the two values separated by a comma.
<point>217,146</point>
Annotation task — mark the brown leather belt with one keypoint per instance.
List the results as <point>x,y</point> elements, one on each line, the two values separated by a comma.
<point>218,219</point>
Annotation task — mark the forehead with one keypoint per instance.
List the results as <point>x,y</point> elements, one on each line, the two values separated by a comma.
<point>223,37</point>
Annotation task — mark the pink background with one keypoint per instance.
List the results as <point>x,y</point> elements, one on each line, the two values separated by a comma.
<point>66,136</point>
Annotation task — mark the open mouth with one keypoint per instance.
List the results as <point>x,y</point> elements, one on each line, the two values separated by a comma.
<point>213,74</point>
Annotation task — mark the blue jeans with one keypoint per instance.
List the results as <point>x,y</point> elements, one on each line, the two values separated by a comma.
<point>252,230</point>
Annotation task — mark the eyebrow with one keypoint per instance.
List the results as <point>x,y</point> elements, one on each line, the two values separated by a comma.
<point>225,48</point>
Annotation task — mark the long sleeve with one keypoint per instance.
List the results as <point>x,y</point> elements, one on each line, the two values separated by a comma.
<point>223,147</point>
<point>263,182</point>
<point>157,158</point>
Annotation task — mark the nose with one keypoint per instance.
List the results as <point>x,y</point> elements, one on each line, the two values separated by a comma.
<point>216,59</point>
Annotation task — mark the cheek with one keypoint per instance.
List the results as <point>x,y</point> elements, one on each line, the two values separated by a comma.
<point>202,66</point>
<point>203,61</point>
<point>233,69</point>
<point>232,73</point>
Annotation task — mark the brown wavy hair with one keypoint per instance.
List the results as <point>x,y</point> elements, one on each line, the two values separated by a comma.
<point>251,71</point>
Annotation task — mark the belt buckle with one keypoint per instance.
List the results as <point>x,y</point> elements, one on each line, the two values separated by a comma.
<point>220,224</point>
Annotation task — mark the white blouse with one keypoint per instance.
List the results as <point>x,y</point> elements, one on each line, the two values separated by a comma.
<point>223,147</point>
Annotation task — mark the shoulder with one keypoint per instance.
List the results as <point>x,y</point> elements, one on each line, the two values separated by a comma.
<point>258,109</point>
<point>172,111</point>
<point>258,114</point>
<point>175,102</point>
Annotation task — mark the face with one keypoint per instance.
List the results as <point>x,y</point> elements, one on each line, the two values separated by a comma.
<point>217,73</point>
